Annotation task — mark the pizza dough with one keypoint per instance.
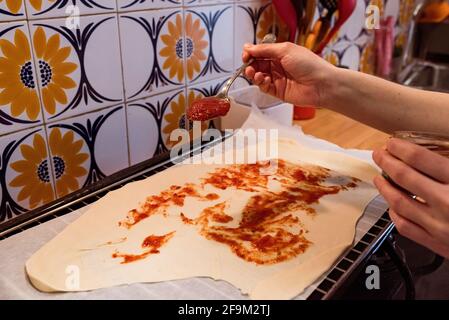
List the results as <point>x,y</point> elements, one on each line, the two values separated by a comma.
<point>126,238</point>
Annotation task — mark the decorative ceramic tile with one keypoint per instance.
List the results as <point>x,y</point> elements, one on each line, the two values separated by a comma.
<point>253,20</point>
<point>19,99</point>
<point>153,55</point>
<point>207,89</point>
<point>355,25</point>
<point>204,2</point>
<point>150,122</point>
<point>351,58</point>
<point>25,172</point>
<point>80,70</point>
<point>12,10</point>
<point>38,9</point>
<point>209,49</point>
<point>87,148</point>
<point>130,5</point>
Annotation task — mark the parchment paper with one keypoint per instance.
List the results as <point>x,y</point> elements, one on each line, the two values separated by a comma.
<point>187,254</point>
<point>13,282</point>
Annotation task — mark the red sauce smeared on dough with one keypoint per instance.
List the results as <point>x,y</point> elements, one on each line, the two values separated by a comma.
<point>186,220</point>
<point>175,195</point>
<point>269,230</point>
<point>151,243</point>
<point>243,177</point>
<point>208,108</point>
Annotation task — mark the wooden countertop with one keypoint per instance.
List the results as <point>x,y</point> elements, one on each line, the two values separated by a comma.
<point>343,131</point>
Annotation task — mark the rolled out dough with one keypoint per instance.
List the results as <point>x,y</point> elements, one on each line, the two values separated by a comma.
<point>81,257</point>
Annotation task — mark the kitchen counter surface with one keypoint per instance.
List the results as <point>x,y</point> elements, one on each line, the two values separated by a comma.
<point>343,131</point>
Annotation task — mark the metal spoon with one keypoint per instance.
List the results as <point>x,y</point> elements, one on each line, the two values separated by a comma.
<point>223,94</point>
<point>217,106</point>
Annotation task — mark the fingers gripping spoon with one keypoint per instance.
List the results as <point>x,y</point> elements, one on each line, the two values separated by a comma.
<point>218,106</point>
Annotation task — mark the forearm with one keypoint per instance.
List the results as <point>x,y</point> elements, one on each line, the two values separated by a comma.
<point>385,105</point>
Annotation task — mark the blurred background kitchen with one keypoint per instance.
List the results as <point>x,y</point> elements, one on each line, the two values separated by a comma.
<point>91,89</point>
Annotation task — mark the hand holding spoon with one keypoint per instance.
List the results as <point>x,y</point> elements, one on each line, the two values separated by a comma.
<point>218,106</point>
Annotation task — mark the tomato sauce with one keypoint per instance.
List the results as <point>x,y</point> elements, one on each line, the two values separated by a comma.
<point>208,108</point>
<point>152,243</point>
<point>175,195</point>
<point>269,230</point>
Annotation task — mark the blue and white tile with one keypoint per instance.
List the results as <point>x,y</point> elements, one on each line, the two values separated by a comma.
<point>25,174</point>
<point>153,58</point>
<point>151,121</point>
<point>132,5</point>
<point>96,147</point>
<point>247,18</point>
<point>209,25</point>
<point>12,10</point>
<point>71,11</point>
<point>19,97</point>
<point>80,70</point>
<point>204,2</point>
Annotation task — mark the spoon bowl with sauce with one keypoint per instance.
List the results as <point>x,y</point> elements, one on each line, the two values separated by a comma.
<point>219,105</point>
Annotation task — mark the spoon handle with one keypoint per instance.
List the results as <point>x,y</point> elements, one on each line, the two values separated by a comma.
<point>269,38</point>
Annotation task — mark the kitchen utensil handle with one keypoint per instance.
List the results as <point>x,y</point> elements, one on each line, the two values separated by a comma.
<point>325,26</point>
<point>328,39</point>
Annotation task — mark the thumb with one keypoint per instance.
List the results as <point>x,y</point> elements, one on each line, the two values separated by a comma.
<point>268,51</point>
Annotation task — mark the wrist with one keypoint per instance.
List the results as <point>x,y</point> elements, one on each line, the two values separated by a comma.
<point>331,83</point>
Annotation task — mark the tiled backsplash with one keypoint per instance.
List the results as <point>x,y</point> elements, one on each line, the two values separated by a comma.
<point>77,105</point>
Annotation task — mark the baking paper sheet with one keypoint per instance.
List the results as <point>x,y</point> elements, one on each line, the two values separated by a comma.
<point>15,250</point>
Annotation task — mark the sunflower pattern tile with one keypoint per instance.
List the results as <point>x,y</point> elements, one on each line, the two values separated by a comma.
<point>73,65</point>
<point>81,150</point>
<point>39,9</point>
<point>208,56</point>
<point>151,121</point>
<point>253,20</point>
<point>19,100</point>
<point>205,2</point>
<point>11,10</point>
<point>153,58</point>
<point>130,5</point>
<point>25,173</point>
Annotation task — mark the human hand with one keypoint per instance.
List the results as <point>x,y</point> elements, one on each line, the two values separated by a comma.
<point>426,175</point>
<point>289,72</point>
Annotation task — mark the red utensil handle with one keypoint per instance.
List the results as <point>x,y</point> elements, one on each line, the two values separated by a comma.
<point>328,39</point>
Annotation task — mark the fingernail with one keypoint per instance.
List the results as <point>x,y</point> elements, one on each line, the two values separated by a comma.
<point>247,45</point>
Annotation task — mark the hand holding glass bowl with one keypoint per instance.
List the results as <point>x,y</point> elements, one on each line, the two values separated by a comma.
<point>415,183</point>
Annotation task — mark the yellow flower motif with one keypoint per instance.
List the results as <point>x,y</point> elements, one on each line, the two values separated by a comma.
<point>13,5</point>
<point>67,161</point>
<point>174,47</point>
<point>177,119</point>
<point>34,173</point>
<point>267,24</point>
<point>16,77</point>
<point>34,170</point>
<point>332,57</point>
<point>53,69</point>
<point>368,59</point>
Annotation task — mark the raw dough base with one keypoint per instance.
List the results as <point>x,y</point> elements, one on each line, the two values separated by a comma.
<point>79,247</point>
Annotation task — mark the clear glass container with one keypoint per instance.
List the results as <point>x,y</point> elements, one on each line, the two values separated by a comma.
<point>435,142</point>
